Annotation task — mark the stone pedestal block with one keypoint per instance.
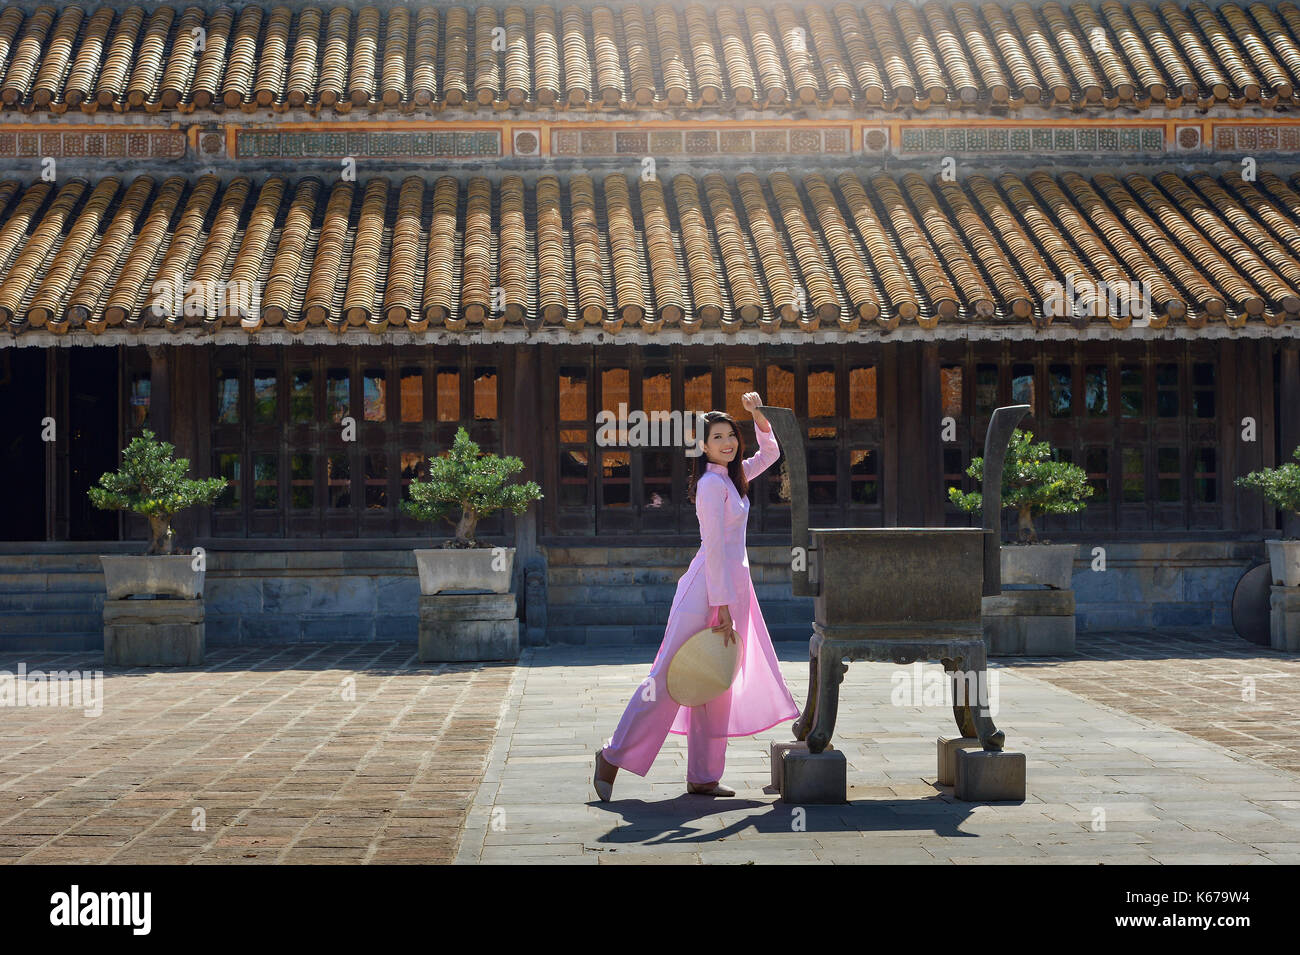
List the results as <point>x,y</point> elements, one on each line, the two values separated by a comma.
<point>814,778</point>
<point>989,776</point>
<point>153,633</point>
<point>948,748</point>
<point>463,628</point>
<point>1029,623</point>
<point>1284,618</point>
<point>778,751</point>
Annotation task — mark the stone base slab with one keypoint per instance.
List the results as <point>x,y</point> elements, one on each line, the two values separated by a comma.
<point>948,747</point>
<point>1284,618</point>
<point>1029,623</point>
<point>162,632</point>
<point>464,628</point>
<point>778,751</point>
<point>989,777</point>
<point>814,778</point>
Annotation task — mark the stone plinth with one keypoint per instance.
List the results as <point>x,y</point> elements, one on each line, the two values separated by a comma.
<point>1284,618</point>
<point>462,628</point>
<point>161,632</point>
<point>812,779</point>
<point>1029,623</point>
<point>984,776</point>
<point>778,751</point>
<point>948,747</point>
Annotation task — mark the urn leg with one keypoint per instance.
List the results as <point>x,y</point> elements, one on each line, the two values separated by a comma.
<point>830,673</point>
<point>970,698</point>
<point>805,721</point>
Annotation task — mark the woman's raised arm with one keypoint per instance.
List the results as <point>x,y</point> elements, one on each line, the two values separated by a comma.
<point>766,455</point>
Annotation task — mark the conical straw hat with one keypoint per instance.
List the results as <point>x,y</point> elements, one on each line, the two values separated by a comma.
<point>703,668</point>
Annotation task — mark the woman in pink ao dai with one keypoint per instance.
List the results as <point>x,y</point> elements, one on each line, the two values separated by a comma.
<point>716,591</point>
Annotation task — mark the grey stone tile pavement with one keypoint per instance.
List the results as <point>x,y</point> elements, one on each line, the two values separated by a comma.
<point>1104,786</point>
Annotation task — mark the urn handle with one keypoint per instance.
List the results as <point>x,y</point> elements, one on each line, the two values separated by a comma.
<point>790,436</point>
<point>1001,427</point>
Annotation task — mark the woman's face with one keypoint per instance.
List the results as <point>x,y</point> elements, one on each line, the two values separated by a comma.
<point>721,444</point>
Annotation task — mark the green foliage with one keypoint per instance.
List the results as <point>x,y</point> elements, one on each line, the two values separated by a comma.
<point>1032,483</point>
<point>1281,484</point>
<point>152,482</point>
<point>472,484</point>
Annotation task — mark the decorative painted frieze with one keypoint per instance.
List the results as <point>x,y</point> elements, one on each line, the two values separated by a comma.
<point>368,143</point>
<point>97,143</point>
<point>968,138</point>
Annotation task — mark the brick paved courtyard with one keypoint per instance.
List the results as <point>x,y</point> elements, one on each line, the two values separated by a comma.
<point>265,742</point>
<point>357,753</point>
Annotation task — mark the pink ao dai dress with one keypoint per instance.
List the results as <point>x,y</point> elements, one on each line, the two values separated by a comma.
<point>719,574</point>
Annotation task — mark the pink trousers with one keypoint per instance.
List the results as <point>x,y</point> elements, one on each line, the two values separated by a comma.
<point>646,721</point>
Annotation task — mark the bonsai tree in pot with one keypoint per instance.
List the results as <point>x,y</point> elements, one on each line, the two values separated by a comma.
<point>1041,620</point>
<point>153,482</point>
<point>157,632</point>
<point>457,624</point>
<point>1281,485</point>
<point>470,485</point>
<point>1032,484</point>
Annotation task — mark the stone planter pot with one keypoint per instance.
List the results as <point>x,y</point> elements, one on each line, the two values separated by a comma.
<point>156,575</point>
<point>1284,562</point>
<point>1038,621</point>
<point>1043,565</point>
<point>481,570</point>
<point>167,630</point>
<point>467,612</point>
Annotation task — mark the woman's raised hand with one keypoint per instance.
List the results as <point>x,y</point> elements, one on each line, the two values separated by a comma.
<point>751,400</point>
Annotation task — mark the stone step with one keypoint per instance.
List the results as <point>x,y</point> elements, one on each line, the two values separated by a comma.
<point>79,601</point>
<point>775,612</point>
<point>649,556</point>
<point>50,563</point>
<point>18,621</point>
<point>52,582</point>
<point>638,576</point>
<point>602,593</point>
<point>612,636</point>
<point>52,642</point>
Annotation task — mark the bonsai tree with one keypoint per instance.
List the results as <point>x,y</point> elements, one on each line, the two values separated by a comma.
<point>152,482</point>
<point>471,485</point>
<point>1281,484</point>
<point>1032,484</point>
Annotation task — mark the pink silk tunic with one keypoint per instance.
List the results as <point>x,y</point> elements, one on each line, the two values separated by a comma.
<point>719,574</point>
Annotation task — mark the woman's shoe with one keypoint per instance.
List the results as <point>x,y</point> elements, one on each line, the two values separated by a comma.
<point>603,788</point>
<point>709,789</point>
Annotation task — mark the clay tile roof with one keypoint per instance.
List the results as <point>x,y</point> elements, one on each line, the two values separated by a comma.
<point>625,57</point>
<point>745,252</point>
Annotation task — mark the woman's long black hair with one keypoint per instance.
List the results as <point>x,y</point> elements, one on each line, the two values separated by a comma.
<point>734,469</point>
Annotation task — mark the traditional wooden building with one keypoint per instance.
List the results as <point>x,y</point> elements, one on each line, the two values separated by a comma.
<point>246,226</point>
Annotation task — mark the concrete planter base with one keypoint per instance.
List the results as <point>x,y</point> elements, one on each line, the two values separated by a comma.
<point>1029,623</point>
<point>472,569</point>
<point>1284,562</point>
<point>1042,565</point>
<point>1284,619</point>
<point>153,633</point>
<point>160,575</point>
<point>463,628</point>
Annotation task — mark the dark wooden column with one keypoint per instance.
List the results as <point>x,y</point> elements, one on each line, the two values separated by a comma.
<point>1289,421</point>
<point>1246,391</point>
<point>928,438</point>
<point>889,401</point>
<point>918,475</point>
<point>160,391</point>
<point>521,437</point>
<point>175,409</point>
